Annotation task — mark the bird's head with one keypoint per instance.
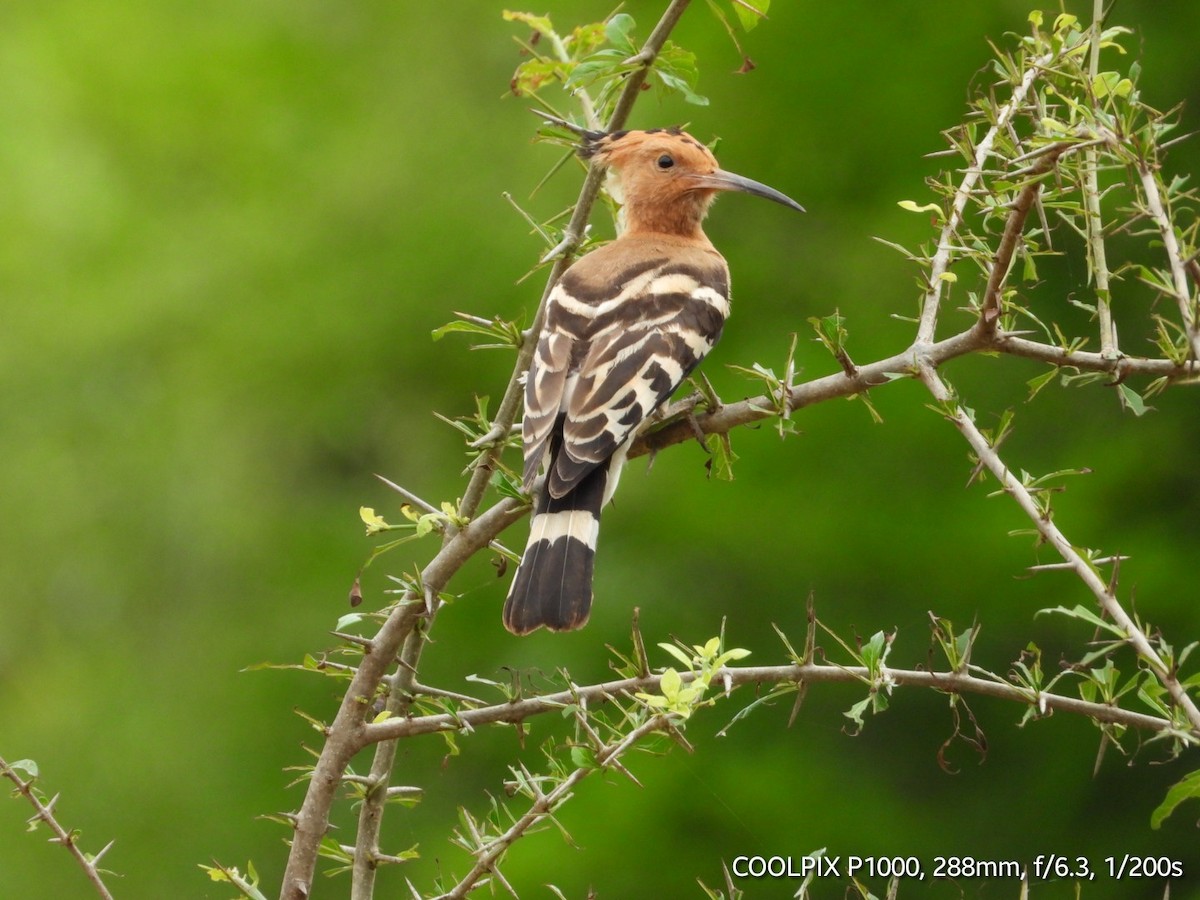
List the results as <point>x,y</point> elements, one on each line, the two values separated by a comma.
<point>666,179</point>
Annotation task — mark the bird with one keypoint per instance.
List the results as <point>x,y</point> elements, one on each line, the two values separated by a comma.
<point>624,326</point>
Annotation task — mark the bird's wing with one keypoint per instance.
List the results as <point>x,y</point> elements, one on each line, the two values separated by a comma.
<point>545,386</point>
<point>644,342</point>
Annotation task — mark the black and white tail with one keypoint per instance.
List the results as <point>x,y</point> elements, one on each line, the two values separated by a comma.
<point>553,584</point>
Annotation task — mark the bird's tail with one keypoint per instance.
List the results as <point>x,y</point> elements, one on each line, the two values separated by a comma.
<point>553,584</point>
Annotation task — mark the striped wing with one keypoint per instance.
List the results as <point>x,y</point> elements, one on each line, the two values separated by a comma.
<point>640,351</point>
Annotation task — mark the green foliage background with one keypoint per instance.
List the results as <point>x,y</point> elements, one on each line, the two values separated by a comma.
<point>227,230</point>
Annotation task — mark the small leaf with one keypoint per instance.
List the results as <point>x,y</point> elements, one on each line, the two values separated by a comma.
<point>540,24</point>
<point>1106,83</point>
<point>618,30</point>
<point>375,523</point>
<point>584,758</point>
<point>1086,615</point>
<point>28,766</point>
<point>1064,21</point>
<point>1132,400</point>
<point>911,206</point>
<point>1186,789</point>
<point>678,654</point>
<point>215,874</point>
<point>750,12</point>
<point>1040,381</point>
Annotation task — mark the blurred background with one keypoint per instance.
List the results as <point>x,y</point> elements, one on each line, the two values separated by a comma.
<point>227,230</point>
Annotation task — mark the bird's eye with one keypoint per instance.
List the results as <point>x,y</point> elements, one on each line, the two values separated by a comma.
<point>665,161</point>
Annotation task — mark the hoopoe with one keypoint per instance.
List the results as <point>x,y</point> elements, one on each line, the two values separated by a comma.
<point>624,326</point>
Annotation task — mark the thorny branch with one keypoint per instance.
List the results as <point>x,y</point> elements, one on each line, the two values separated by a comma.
<point>1103,592</point>
<point>983,150</point>
<point>732,677</point>
<point>400,639</point>
<point>400,630</point>
<point>44,812</point>
<point>544,805</point>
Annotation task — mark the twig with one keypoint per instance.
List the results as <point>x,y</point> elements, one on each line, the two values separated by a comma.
<point>1014,227</point>
<point>1189,307</point>
<point>927,328</point>
<point>903,364</point>
<point>1051,533</point>
<point>371,813</point>
<point>739,676</point>
<point>345,735</point>
<point>1091,194</point>
<point>44,812</point>
<point>544,805</point>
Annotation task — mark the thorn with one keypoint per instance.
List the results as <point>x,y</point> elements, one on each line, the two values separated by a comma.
<point>801,693</point>
<point>105,849</point>
<point>639,647</point>
<point>408,495</point>
<point>353,639</point>
<point>563,123</point>
<point>569,242</point>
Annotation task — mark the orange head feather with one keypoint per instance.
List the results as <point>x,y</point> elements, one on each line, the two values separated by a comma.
<point>668,179</point>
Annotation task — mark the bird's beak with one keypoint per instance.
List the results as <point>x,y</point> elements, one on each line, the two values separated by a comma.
<point>721,180</point>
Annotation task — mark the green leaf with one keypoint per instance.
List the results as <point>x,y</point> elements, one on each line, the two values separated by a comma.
<point>1132,400</point>
<point>720,464</point>
<point>618,30</point>
<point>678,654</point>
<point>855,713</point>
<point>677,70</point>
<point>750,12</point>
<point>1038,382</point>
<point>28,766</point>
<point>1106,83</point>
<point>911,206</point>
<point>1086,615</point>
<point>1065,21</point>
<point>540,24</point>
<point>1185,789</point>
<point>375,523</point>
<point>584,758</point>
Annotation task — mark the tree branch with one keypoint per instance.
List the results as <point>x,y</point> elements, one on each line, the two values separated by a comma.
<point>573,235</point>
<point>901,365</point>
<point>1189,307</point>
<point>344,738</point>
<point>44,812</point>
<point>737,676</point>
<point>1051,533</point>
<point>544,805</point>
<point>371,814</point>
<point>927,329</point>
